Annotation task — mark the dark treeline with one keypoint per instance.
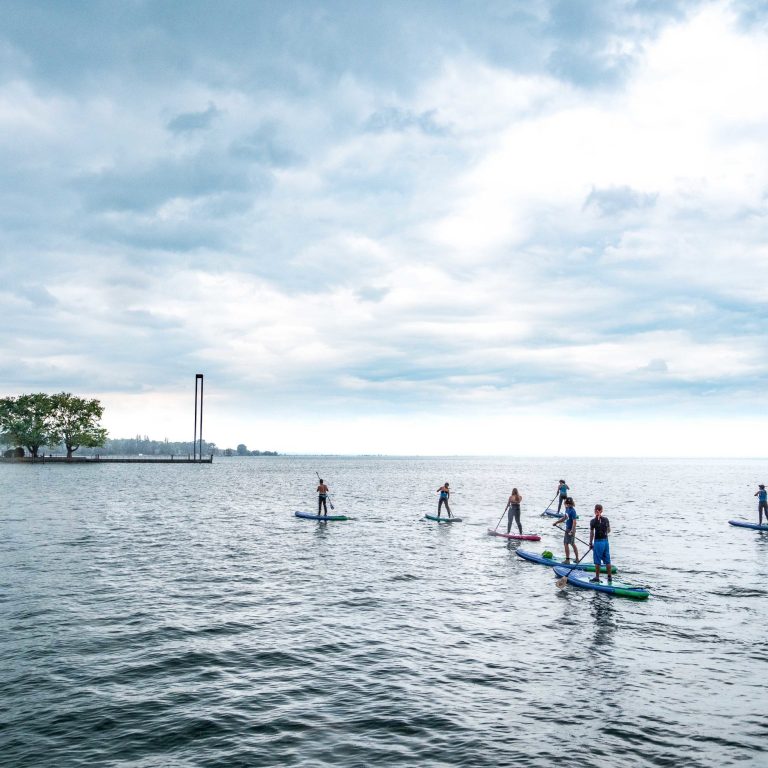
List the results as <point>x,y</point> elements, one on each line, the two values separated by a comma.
<point>142,445</point>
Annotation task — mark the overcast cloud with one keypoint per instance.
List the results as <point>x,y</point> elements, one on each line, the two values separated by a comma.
<point>532,227</point>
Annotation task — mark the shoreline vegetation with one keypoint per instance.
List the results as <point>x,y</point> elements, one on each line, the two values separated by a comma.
<point>40,425</point>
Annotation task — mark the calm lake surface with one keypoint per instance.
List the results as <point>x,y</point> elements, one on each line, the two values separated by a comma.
<point>178,615</point>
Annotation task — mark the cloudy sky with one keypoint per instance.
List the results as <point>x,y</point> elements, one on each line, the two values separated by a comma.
<point>530,228</point>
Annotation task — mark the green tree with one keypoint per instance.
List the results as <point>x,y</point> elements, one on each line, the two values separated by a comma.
<point>242,450</point>
<point>28,420</point>
<point>76,422</point>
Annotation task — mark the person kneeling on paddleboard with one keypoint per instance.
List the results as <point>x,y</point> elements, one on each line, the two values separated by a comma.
<point>322,495</point>
<point>569,538</point>
<point>513,505</point>
<point>762,504</point>
<point>444,496</point>
<point>599,528</point>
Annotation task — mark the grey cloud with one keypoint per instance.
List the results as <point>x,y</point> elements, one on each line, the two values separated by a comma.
<point>149,187</point>
<point>657,365</point>
<point>394,119</point>
<point>371,293</point>
<point>614,200</point>
<point>35,294</point>
<point>264,146</point>
<point>193,121</point>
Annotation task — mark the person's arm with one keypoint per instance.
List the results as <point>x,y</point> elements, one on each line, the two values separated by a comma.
<point>591,533</point>
<point>560,520</point>
<point>608,529</point>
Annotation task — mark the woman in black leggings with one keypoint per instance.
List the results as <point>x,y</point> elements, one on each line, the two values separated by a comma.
<point>513,505</point>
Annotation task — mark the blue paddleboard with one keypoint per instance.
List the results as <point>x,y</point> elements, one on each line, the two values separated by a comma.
<point>618,588</point>
<point>310,516</point>
<point>744,524</point>
<point>443,519</point>
<point>534,558</point>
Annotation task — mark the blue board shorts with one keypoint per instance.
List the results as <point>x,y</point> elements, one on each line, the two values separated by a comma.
<point>601,552</point>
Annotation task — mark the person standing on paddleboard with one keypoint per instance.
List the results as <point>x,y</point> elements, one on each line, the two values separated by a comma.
<point>569,538</point>
<point>562,493</point>
<point>762,504</point>
<point>513,505</point>
<point>599,528</point>
<point>445,494</point>
<point>322,495</point>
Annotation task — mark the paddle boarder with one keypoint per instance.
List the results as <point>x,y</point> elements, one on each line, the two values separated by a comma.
<point>562,493</point>
<point>599,528</point>
<point>762,504</point>
<point>322,495</point>
<point>445,494</point>
<point>513,507</point>
<point>569,537</point>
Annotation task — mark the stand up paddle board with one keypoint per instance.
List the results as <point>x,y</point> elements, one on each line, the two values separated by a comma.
<point>618,588</point>
<point>744,524</point>
<point>310,516</point>
<point>551,513</point>
<point>518,536</point>
<point>534,558</point>
<point>442,519</point>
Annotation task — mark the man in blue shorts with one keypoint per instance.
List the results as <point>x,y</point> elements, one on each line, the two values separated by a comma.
<point>599,528</point>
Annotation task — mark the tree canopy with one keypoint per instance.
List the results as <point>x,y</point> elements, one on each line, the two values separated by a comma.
<point>35,420</point>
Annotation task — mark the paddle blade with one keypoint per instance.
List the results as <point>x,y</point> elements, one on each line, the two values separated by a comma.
<point>561,582</point>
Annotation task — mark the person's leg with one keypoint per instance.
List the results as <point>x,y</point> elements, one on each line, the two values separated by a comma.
<point>325,507</point>
<point>509,521</point>
<point>440,505</point>
<point>567,549</point>
<point>597,549</point>
<point>448,509</point>
<point>607,561</point>
<point>319,503</point>
<point>519,524</point>
<point>575,550</point>
<point>559,502</point>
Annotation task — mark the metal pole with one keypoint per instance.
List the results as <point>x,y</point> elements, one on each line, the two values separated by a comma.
<point>194,439</point>
<point>200,452</point>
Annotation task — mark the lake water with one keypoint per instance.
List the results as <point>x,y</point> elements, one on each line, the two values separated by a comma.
<point>178,615</point>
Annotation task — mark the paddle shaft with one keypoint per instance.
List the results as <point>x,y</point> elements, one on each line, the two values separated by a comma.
<point>329,495</point>
<point>551,502</point>
<point>574,535</point>
<point>501,518</point>
<point>563,580</point>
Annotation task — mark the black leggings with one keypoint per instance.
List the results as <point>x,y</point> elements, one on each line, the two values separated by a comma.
<point>321,504</point>
<point>440,506</point>
<point>762,507</point>
<point>514,514</point>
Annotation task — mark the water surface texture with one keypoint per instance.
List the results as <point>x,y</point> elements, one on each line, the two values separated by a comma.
<point>181,616</point>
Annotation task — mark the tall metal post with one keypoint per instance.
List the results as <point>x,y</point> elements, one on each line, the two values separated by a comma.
<point>197,447</point>
<point>200,452</point>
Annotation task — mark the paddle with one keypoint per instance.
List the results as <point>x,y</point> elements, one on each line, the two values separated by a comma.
<point>501,518</point>
<point>563,580</point>
<point>329,495</point>
<point>559,528</point>
<point>549,505</point>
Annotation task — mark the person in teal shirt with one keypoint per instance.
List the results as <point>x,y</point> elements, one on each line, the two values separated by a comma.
<point>762,504</point>
<point>562,493</point>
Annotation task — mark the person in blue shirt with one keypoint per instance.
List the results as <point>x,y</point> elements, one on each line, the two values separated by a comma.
<point>562,493</point>
<point>762,504</point>
<point>569,539</point>
<point>445,494</point>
